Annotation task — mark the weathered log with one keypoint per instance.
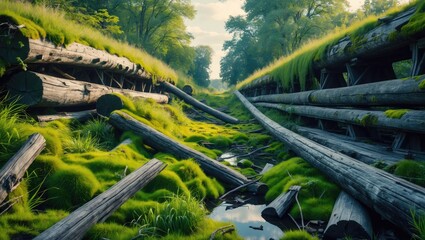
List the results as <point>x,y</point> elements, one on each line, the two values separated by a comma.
<point>79,116</point>
<point>390,196</point>
<point>101,207</point>
<point>194,102</point>
<point>161,142</point>
<point>361,151</point>
<point>386,93</point>
<point>13,171</point>
<point>282,203</point>
<point>349,219</point>
<point>412,120</point>
<point>36,89</point>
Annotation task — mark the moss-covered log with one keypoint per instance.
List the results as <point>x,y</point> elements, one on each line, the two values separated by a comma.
<point>161,142</point>
<point>36,89</point>
<point>410,120</point>
<point>194,102</point>
<point>349,219</point>
<point>79,116</point>
<point>39,51</point>
<point>101,207</point>
<point>13,171</point>
<point>390,196</point>
<point>399,92</point>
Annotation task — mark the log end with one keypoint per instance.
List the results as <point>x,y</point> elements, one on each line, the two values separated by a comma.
<point>344,229</point>
<point>108,103</point>
<point>270,211</point>
<point>26,88</point>
<point>14,46</point>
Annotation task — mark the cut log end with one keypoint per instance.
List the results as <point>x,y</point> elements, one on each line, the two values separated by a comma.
<point>14,45</point>
<point>188,89</point>
<point>26,87</point>
<point>108,103</point>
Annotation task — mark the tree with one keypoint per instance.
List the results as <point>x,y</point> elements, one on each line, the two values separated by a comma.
<point>201,65</point>
<point>376,7</point>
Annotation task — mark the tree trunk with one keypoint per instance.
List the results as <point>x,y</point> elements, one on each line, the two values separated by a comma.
<point>101,207</point>
<point>13,171</point>
<point>79,116</point>
<point>413,121</point>
<point>349,219</point>
<point>39,90</point>
<point>282,203</point>
<point>192,101</point>
<point>161,142</point>
<point>390,196</point>
<point>386,93</point>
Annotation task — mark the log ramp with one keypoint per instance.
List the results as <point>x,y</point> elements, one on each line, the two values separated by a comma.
<point>390,196</point>
<point>194,102</point>
<point>399,92</point>
<point>75,225</point>
<point>12,172</point>
<point>412,120</point>
<point>348,218</point>
<point>162,142</point>
<point>39,90</point>
<point>280,205</point>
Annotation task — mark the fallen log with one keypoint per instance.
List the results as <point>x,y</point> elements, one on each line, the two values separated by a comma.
<point>75,225</point>
<point>412,120</point>
<point>364,152</point>
<point>282,203</point>
<point>161,142</point>
<point>349,219</point>
<point>36,89</point>
<point>194,102</point>
<point>390,196</point>
<point>79,116</point>
<point>12,172</point>
<point>397,92</point>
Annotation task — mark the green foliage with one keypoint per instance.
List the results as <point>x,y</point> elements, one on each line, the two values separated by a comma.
<point>418,224</point>
<point>178,214</point>
<point>367,120</point>
<point>396,113</point>
<point>101,131</point>
<point>422,85</point>
<point>200,67</point>
<point>195,138</point>
<point>220,142</point>
<point>315,189</point>
<point>298,235</point>
<point>410,170</point>
<point>70,187</point>
<point>246,163</point>
<point>416,23</point>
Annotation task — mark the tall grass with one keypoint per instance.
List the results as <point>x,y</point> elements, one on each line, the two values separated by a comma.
<point>43,22</point>
<point>179,214</point>
<point>418,224</point>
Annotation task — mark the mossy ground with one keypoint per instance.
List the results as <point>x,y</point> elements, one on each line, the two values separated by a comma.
<point>396,113</point>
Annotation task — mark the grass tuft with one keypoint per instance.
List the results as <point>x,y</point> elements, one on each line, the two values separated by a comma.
<point>298,235</point>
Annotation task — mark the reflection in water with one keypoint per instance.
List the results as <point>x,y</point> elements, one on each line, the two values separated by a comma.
<point>245,216</point>
<point>230,158</point>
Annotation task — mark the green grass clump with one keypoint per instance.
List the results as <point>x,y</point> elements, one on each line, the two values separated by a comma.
<point>246,163</point>
<point>298,235</point>
<point>396,113</point>
<point>111,231</point>
<point>418,224</point>
<point>416,23</point>
<point>179,214</point>
<point>317,194</point>
<point>410,170</point>
<point>195,138</point>
<point>422,85</point>
<point>368,120</point>
<point>170,181</point>
<point>240,138</point>
<point>70,187</point>
<point>101,131</point>
<point>220,142</point>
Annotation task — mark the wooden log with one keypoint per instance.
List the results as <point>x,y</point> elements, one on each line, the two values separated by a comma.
<point>194,102</point>
<point>386,93</point>
<point>282,203</point>
<point>79,116</point>
<point>349,219</point>
<point>13,171</point>
<point>188,90</point>
<point>39,90</point>
<point>413,120</point>
<point>390,196</point>
<point>161,142</point>
<point>75,225</point>
<point>364,152</point>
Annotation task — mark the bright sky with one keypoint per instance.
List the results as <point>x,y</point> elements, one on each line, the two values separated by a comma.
<point>208,25</point>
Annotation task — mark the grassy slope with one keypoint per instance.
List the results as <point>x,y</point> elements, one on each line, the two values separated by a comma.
<point>298,66</point>
<point>45,23</point>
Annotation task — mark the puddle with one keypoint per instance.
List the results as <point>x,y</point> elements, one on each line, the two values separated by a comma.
<point>230,158</point>
<point>246,216</point>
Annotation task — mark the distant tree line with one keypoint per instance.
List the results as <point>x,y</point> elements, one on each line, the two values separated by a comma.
<point>275,28</point>
<point>157,26</point>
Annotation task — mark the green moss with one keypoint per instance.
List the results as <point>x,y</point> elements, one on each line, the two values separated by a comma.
<point>19,197</point>
<point>240,138</point>
<point>248,172</point>
<point>298,235</point>
<point>220,142</point>
<point>416,23</point>
<point>396,113</point>
<point>70,187</point>
<point>422,85</point>
<point>368,120</point>
<point>110,231</point>
<point>195,138</point>
<point>412,171</point>
<point>168,180</point>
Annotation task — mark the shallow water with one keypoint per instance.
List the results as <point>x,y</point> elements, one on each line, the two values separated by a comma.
<point>230,158</point>
<point>245,216</point>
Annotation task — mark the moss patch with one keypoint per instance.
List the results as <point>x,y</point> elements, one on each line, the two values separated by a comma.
<point>396,114</point>
<point>298,235</point>
<point>422,85</point>
<point>410,170</point>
